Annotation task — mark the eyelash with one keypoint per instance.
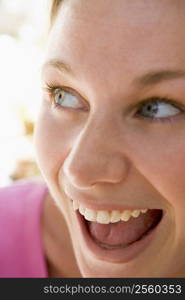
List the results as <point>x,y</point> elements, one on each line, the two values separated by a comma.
<point>165,100</point>
<point>50,89</point>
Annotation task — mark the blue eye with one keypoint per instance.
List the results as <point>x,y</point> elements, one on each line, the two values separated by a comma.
<point>158,109</point>
<point>64,98</point>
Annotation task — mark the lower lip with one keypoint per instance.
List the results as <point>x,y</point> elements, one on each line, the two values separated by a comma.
<point>118,255</point>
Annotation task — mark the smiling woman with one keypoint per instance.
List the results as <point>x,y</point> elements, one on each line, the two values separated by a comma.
<point>110,139</point>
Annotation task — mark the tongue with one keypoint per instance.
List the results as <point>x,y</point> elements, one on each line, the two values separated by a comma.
<point>124,233</point>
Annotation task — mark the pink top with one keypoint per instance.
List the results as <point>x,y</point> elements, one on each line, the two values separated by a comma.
<point>21,249</point>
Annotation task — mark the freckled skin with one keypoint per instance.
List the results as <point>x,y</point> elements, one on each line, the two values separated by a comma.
<point>105,154</point>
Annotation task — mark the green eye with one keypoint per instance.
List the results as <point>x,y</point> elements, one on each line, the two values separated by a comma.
<point>158,109</point>
<point>64,98</point>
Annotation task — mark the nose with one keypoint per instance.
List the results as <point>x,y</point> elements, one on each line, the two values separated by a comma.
<point>96,157</point>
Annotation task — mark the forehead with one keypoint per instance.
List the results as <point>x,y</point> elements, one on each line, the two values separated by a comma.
<point>98,37</point>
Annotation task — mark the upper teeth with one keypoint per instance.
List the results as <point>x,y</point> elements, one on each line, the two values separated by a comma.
<point>105,216</point>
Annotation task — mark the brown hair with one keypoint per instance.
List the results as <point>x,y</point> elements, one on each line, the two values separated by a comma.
<point>54,8</point>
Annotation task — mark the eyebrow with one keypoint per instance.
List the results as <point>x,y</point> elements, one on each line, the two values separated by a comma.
<point>153,78</point>
<point>58,64</point>
<point>148,79</point>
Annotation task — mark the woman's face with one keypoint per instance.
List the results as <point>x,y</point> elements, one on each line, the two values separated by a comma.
<point>114,138</point>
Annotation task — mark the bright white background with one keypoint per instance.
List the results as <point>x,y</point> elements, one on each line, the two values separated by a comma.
<point>23,30</point>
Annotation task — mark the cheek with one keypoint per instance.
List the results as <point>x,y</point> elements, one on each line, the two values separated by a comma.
<point>162,162</point>
<point>53,140</point>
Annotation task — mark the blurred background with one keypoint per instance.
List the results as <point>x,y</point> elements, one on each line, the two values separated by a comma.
<point>23,31</point>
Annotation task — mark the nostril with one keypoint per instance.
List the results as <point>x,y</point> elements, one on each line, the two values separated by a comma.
<point>86,170</point>
<point>76,176</point>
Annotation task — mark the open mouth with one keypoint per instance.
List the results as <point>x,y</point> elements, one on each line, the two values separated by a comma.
<point>123,234</point>
<point>117,236</point>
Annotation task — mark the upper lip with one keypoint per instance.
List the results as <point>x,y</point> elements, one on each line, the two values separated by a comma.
<point>95,199</point>
<point>102,202</point>
<point>106,206</point>
<point>94,204</point>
